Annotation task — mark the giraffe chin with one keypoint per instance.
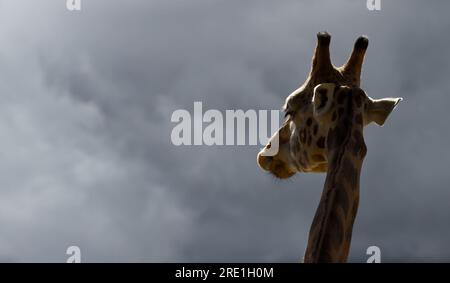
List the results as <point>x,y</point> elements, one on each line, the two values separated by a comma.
<point>280,170</point>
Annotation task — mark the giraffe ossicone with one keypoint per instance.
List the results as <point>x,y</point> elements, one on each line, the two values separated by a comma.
<point>315,107</point>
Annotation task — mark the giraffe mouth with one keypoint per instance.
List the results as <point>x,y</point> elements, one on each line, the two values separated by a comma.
<point>274,166</point>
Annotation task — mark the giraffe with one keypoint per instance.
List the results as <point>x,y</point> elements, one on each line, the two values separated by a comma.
<point>323,132</point>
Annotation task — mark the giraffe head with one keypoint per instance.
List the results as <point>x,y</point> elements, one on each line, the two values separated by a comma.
<point>314,108</point>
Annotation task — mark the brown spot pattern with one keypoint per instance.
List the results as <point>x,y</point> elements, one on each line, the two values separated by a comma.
<point>333,118</point>
<point>318,158</point>
<point>341,97</point>
<point>303,136</point>
<point>321,142</point>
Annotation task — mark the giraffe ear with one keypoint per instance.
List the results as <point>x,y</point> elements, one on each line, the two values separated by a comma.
<point>323,98</point>
<point>379,109</point>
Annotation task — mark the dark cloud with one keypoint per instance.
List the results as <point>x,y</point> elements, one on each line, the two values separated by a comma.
<point>86,157</point>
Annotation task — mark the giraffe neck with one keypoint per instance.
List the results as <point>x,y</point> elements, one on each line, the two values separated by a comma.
<point>331,230</point>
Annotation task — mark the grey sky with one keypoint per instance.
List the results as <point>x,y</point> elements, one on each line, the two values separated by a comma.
<point>85,151</point>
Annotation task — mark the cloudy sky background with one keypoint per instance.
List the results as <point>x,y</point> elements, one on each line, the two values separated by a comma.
<point>85,151</point>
